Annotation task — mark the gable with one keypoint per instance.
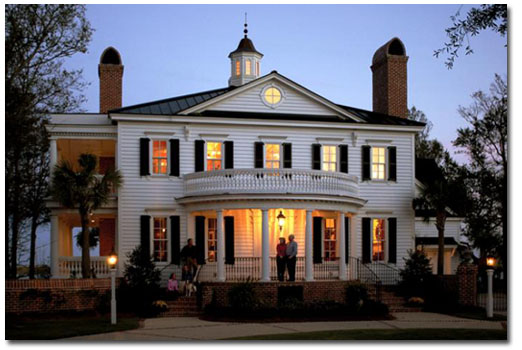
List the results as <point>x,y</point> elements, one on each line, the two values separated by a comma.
<point>292,102</point>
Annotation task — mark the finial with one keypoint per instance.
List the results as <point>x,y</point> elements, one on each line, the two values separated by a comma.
<point>246,26</point>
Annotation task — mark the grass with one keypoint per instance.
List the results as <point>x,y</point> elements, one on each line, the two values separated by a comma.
<point>61,326</point>
<point>389,334</point>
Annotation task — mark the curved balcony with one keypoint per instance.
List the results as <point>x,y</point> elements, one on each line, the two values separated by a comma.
<point>273,181</point>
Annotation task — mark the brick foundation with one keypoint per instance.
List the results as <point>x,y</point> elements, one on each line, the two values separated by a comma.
<point>467,284</point>
<point>54,295</point>
<point>268,291</point>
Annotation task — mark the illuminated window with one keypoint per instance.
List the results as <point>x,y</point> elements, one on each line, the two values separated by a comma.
<point>159,157</point>
<point>248,67</point>
<point>238,67</point>
<point>257,68</point>
<point>378,163</point>
<point>378,240</point>
<point>214,156</point>
<point>330,240</point>
<point>272,156</point>
<point>212,240</point>
<point>329,158</point>
<point>272,96</point>
<point>160,240</point>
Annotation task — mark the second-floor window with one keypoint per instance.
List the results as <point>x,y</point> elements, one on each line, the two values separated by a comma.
<point>378,239</point>
<point>273,156</point>
<point>329,158</point>
<point>160,240</point>
<point>378,163</point>
<point>330,240</point>
<point>159,157</point>
<point>214,156</point>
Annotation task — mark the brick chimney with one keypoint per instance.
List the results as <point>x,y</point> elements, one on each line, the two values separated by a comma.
<point>110,72</point>
<point>390,83</point>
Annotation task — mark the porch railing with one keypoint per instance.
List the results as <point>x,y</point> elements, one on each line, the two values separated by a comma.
<point>71,266</point>
<point>299,181</point>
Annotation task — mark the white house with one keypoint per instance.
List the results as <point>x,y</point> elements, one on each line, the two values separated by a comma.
<point>237,167</point>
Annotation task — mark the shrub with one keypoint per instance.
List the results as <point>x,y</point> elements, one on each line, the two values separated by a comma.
<point>242,297</point>
<point>356,295</point>
<point>416,274</point>
<point>140,286</point>
<point>373,308</point>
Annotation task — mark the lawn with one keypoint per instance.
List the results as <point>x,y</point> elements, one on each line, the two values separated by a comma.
<point>56,327</point>
<point>389,334</point>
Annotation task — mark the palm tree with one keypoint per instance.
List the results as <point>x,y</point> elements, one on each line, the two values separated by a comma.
<point>436,197</point>
<point>84,190</point>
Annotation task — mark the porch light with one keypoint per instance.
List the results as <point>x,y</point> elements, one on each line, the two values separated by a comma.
<point>112,260</point>
<point>491,261</point>
<point>281,220</point>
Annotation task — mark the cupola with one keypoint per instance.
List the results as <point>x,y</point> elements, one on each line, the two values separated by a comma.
<point>244,62</point>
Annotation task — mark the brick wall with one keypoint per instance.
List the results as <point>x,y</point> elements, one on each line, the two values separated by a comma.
<point>54,295</point>
<point>111,77</point>
<point>312,291</point>
<point>467,284</point>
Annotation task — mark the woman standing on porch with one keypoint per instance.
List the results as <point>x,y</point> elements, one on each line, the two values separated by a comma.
<point>281,259</point>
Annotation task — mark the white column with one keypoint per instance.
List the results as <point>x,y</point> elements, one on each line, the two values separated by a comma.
<point>53,154</point>
<point>342,248</point>
<point>220,247</point>
<point>55,270</point>
<point>265,248</point>
<point>309,263</point>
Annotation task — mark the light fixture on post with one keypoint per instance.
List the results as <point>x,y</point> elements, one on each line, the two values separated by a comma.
<point>112,261</point>
<point>491,262</point>
<point>281,220</point>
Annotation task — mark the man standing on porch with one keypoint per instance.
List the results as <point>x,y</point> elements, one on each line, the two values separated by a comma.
<point>291,257</point>
<point>281,259</point>
<point>189,255</point>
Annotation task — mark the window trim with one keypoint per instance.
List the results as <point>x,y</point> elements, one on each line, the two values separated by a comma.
<point>280,153</point>
<point>222,154</point>
<point>169,253</point>
<point>337,156</point>
<point>151,158</point>
<point>386,239</point>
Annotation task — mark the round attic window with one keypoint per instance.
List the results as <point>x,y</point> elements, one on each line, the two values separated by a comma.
<point>272,96</point>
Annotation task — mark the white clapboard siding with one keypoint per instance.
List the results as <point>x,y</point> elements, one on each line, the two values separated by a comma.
<point>293,102</point>
<point>428,229</point>
<point>390,199</point>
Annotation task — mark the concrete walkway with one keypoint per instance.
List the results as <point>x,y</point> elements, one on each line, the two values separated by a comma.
<point>192,328</point>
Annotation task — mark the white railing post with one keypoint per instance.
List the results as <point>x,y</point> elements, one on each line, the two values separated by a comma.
<point>220,247</point>
<point>309,264</point>
<point>342,248</point>
<point>265,249</point>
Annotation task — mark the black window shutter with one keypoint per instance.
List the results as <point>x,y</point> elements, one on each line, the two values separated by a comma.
<point>258,156</point>
<point>229,240</point>
<point>366,162</point>
<point>200,239</point>
<point>392,163</point>
<point>287,155</point>
<point>316,156</point>
<point>343,155</point>
<point>199,147</point>
<point>317,239</point>
<point>174,157</point>
<point>347,238</point>
<point>392,240</point>
<point>144,157</point>
<point>366,240</point>
<point>174,239</point>
<point>229,154</point>
<point>145,235</point>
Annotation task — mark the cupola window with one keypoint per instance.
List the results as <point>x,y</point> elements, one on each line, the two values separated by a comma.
<point>248,67</point>
<point>238,68</point>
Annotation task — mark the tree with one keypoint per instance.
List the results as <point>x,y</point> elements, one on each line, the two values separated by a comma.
<point>415,274</point>
<point>491,16</point>
<point>436,198</point>
<point>424,147</point>
<point>84,190</point>
<point>37,40</point>
<point>485,143</point>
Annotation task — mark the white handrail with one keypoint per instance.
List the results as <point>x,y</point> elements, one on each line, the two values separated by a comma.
<point>69,266</point>
<point>297,181</point>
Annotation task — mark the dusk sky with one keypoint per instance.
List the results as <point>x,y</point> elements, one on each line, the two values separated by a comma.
<point>171,50</point>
